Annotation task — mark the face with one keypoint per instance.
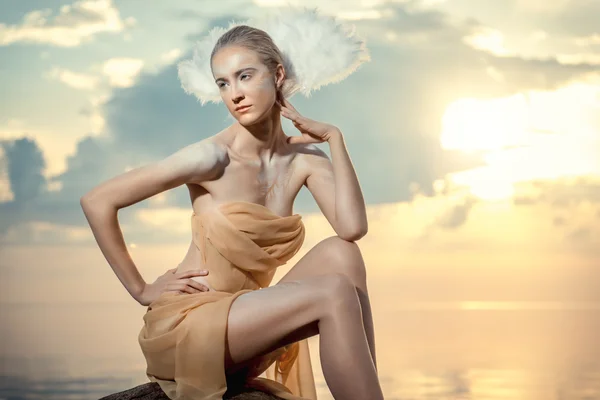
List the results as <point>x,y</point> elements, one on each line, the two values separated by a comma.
<point>244,81</point>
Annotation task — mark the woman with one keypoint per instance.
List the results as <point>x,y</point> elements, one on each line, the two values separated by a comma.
<point>204,330</point>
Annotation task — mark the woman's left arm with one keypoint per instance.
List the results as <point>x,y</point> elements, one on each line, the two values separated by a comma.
<point>349,202</point>
<point>333,184</point>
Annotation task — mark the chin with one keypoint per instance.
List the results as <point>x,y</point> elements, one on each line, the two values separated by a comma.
<point>247,121</point>
<point>250,118</point>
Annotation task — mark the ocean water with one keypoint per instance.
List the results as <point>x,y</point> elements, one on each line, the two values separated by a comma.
<point>441,351</point>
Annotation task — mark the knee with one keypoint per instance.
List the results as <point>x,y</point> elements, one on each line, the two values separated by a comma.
<point>339,291</point>
<point>346,258</point>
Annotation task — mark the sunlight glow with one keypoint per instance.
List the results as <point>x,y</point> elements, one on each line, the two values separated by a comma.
<point>526,136</point>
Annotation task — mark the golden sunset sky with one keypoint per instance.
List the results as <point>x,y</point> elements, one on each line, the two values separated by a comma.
<point>474,131</point>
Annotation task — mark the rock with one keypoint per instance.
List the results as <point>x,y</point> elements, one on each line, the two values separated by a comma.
<point>152,391</point>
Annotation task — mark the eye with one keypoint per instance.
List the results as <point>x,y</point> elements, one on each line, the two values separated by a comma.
<point>221,84</point>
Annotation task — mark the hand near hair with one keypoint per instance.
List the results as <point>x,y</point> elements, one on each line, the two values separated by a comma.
<point>312,131</point>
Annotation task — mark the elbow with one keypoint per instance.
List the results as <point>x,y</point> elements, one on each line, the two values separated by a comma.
<point>86,205</point>
<point>86,201</point>
<point>354,234</point>
<point>92,204</point>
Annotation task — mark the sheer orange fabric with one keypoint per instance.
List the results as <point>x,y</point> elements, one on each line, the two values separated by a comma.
<point>183,337</point>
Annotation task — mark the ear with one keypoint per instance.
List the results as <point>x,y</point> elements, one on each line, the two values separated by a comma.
<point>279,76</point>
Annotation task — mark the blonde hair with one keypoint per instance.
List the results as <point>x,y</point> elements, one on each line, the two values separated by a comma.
<point>253,39</point>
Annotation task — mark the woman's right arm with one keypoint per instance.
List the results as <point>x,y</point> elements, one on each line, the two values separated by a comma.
<point>192,164</point>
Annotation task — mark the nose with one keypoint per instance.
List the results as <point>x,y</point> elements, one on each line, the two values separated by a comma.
<point>236,94</point>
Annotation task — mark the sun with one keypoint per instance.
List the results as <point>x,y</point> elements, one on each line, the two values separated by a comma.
<point>472,124</point>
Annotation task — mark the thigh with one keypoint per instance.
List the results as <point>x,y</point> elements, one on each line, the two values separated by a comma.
<point>332,255</point>
<point>265,320</point>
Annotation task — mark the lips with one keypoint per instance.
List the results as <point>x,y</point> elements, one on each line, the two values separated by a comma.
<point>242,108</point>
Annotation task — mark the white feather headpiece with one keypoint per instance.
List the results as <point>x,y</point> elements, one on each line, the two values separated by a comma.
<point>317,50</point>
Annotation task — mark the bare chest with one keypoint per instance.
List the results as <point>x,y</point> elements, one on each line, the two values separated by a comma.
<point>275,185</point>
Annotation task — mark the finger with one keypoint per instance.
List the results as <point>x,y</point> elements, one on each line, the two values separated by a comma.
<point>290,112</point>
<point>308,139</point>
<point>185,288</point>
<point>188,289</point>
<point>289,105</point>
<point>171,288</point>
<point>286,115</point>
<point>192,272</point>
<point>296,140</point>
<point>196,285</point>
<point>298,118</point>
<point>289,115</point>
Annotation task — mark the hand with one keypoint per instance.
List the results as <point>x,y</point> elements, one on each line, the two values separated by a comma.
<point>170,281</point>
<point>312,131</point>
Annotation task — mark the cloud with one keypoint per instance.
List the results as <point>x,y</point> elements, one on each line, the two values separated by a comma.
<point>24,163</point>
<point>6,194</point>
<point>74,25</point>
<point>572,203</point>
<point>579,58</point>
<point>493,41</point>
<point>92,159</point>
<point>390,112</point>
<point>457,214</point>
<point>488,39</point>
<point>22,166</point>
<point>559,192</point>
<point>35,206</point>
<point>532,29</point>
<point>170,56</point>
<point>589,40</point>
<point>122,72</point>
<point>576,18</point>
<point>94,113</point>
<point>580,234</point>
<point>74,79</point>
<point>114,72</point>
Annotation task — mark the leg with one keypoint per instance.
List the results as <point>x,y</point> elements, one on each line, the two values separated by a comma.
<point>335,255</point>
<point>265,320</point>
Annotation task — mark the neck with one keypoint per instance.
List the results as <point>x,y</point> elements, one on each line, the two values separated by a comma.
<point>262,140</point>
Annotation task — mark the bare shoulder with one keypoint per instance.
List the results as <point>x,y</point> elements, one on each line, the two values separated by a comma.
<point>202,149</point>
<point>204,158</point>
<point>311,157</point>
<point>309,149</point>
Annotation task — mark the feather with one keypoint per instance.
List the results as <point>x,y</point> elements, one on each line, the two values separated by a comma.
<point>317,50</point>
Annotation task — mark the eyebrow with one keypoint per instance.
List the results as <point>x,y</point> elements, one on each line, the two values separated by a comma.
<point>239,71</point>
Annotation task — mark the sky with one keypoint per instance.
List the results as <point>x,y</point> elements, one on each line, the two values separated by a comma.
<point>474,131</point>
<point>478,148</point>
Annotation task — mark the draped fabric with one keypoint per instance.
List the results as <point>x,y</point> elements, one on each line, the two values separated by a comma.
<point>183,336</point>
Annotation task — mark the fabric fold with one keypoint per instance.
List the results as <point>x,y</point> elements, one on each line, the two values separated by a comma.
<point>183,336</point>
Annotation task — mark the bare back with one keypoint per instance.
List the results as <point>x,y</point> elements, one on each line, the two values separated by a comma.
<point>274,186</point>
